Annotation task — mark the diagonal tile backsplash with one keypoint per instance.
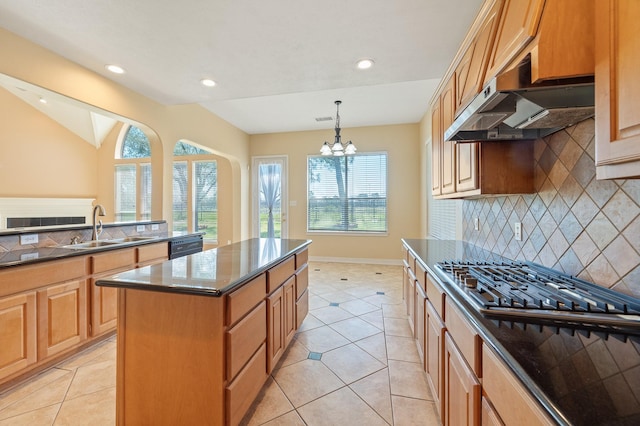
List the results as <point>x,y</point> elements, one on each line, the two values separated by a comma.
<point>574,223</point>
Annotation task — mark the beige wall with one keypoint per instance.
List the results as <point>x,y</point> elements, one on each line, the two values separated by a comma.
<point>39,157</point>
<point>401,142</point>
<point>28,62</point>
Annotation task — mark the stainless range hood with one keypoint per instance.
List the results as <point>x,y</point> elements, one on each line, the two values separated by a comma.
<point>511,108</point>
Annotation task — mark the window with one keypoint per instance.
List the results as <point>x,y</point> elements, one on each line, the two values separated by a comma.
<point>195,191</point>
<point>347,194</point>
<point>133,176</point>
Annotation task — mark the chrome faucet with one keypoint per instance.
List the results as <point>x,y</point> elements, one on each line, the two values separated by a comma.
<point>97,230</point>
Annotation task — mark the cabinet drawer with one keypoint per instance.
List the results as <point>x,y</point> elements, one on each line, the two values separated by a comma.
<point>512,402</point>
<point>245,338</point>
<point>465,336</point>
<point>245,298</point>
<point>302,282</point>
<point>21,278</point>
<point>436,295</point>
<point>421,276</point>
<point>279,273</point>
<point>153,252</point>
<point>115,259</point>
<point>239,395</point>
<point>302,259</point>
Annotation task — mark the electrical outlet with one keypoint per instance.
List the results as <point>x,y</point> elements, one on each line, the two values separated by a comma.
<point>155,227</point>
<point>517,230</point>
<point>29,239</point>
<point>140,228</point>
<point>476,223</point>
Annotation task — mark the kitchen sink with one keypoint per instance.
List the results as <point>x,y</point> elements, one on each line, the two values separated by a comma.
<point>106,243</point>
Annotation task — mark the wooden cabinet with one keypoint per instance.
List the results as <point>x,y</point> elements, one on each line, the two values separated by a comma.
<point>617,89</point>
<point>409,282</point>
<point>289,300</point>
<point>508,400</point>
<point>275,317</point>
<point>448,162</point>
<point>518,25</point>
<point>62,317</point>
<point>18,333</point>
<point>302,294</point>
<point>434,354</point>
<point>462,388</point>
<point>437,138</point>
<point>419,321</point>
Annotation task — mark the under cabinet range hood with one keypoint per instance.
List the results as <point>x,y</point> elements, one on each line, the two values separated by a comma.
<point>511,108</point>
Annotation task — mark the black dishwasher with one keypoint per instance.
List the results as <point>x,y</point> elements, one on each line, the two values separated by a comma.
<point>184,245</point>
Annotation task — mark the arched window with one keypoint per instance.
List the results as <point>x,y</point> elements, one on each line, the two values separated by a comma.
<point>195,190</point>
<point>133,176</point>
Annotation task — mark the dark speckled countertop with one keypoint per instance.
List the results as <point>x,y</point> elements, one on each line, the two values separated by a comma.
<point>211,272</point>
<point>580,375</point>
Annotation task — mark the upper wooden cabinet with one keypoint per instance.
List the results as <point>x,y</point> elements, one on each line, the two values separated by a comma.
<point>470,72</point>
<point>448,163</point>
<point>617,89</point>
<point>436,147</point>
<point>518,25</point>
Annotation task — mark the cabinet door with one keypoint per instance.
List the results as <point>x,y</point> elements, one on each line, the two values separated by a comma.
<point>275,327</point>
<point>472,68</point>
<point>436,147</point>
<point>462,388</point>
<point>448,181</point>
<point>490,416</point>
<point>18,333</point>
<point>434,347</point>
<point>419,321</point>
<point>410,284</point>
<point>289,300</point>
<point>62,317</point>
<point>617,89</point>
<point>518,25</point>
<point>467,176</point>
<point>104,309</point>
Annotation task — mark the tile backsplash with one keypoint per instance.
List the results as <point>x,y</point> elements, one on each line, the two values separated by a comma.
<point>574,223</point>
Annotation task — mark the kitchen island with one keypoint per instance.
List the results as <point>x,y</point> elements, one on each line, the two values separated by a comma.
<point>199,335</point>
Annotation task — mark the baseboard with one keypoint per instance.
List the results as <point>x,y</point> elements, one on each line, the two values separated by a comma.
<point>393,262</point>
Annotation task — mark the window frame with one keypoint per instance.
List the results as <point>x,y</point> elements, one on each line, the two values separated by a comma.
<point>373,233</point>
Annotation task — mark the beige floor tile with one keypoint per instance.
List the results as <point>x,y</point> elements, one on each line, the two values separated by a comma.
<point>320,289</point>
<point>331,314</point>
<point>41,417</point>
<point>358,307</point>
<point>95,409</point>
<point>89,356</point>
<point>306,380</point>
<point>397,327</point>
<point>342,407</point>
<point>375,391</point>
<point>410,412</point>
<point>91,378</point>
<point>338,297</point>
<point>354,329</point>
<point>52,393</point>
<point>316,302</point>
<point>32,385</point>
<point>408,379</point>
<point>310,322</point>
<point>380,299</point>
<point>350,363</point>
<point>322,339</point>
<point>396,310</point>
<point>402,349</point>
<point>374,318</point>
<point>362,291</point>
<point>290,419</point>
<point>270,403</point>
<point>296,352</point>
<point>376,346</point>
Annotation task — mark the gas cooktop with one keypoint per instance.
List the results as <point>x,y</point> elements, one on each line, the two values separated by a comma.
<point>525,289</point>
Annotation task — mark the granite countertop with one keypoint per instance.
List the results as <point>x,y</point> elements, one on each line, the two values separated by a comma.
<point>211,272</point>
<point>580,375</point>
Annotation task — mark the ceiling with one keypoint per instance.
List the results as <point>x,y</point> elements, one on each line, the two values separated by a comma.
<point>278,64</point>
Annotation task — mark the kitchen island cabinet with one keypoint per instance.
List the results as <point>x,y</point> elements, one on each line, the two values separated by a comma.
<point>198,335</point>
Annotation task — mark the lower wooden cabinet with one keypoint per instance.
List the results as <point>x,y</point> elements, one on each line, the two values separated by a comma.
<point>62,317</point>
<point>420,300</point>
<point>434,354</point>
<point>289,300</point>
<point>18,333</point>
<point>489,415</point>
<point>462,388</point>
<point>104,308</point>
<point>240,393</point>
<point>275,325</point>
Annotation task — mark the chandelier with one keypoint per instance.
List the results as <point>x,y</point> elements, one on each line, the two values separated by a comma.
<point>338,148</point>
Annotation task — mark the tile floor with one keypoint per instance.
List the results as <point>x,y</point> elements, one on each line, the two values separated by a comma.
<point>353,362</point>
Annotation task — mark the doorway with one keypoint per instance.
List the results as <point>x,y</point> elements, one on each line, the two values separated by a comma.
<point>269,176</point>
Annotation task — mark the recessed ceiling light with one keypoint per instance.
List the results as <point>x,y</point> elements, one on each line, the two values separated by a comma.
<point>42,100</point>
<point>365,64</point>
<point>115,69</point>
<point>208,82</point>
